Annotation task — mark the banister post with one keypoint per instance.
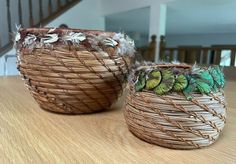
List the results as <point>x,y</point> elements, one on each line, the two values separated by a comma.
<point>9,18</point>
<point>20,12</point>
<point>31,19</point>
<point>162,47</point>
<point>157,24</point>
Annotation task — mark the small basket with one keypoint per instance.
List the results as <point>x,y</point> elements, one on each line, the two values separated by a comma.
<point>172,121</point>
<point>70,70</point>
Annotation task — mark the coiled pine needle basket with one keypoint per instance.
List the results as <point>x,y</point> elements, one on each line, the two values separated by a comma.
<point>172,121</point>
<point>70,70</point>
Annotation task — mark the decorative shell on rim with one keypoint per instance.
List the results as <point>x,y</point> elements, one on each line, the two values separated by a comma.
<point>74,37</point>
<point>50,38</point>
<point>110,42</point>
<point>29,40</point>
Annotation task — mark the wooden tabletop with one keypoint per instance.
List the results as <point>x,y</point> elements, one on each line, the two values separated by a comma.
<point>29,134</point>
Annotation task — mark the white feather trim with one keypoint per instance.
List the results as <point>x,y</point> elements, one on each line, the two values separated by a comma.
<point>50,38</point>
<point>126,44</point>
<point>29,40</point>
<point>110,42</point>
<point>74,37</point>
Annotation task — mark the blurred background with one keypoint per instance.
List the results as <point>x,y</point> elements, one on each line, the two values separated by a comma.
<point>190,31</point>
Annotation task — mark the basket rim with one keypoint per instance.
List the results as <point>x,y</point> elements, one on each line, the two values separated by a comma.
<point>179,78</point>
<point>184,66</point>
<point>131,89</point>
<point>64,30</point>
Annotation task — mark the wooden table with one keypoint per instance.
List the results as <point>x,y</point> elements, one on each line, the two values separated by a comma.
<point>31,135</point>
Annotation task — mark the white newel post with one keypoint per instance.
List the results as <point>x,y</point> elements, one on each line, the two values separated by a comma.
<point>157,24</point>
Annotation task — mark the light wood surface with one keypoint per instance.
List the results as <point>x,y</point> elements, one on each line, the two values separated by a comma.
<point>31,135</point>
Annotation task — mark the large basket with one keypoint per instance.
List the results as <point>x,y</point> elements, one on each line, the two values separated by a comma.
<point>172,121</point>
<point>71,76</point>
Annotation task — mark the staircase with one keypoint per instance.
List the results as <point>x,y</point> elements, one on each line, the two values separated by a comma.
<point>27,13</point>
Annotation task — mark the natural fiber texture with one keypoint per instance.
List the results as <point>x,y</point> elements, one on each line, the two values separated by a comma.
<point>172,121</point>
<point>69,78</point>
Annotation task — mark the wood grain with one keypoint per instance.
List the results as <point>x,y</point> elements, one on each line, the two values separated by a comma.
<point>31,135</point>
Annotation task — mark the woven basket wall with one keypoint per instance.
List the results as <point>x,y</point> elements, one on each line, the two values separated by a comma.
<point>172,121</point>
<point>72,78</point>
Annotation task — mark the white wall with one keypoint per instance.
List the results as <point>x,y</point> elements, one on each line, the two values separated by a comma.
<point>200,39</point>
<point>84,15</point>
<point>116,6</point>
<point>127,21</point>
<point>2,60</point>
<point>157,13</point>
<point>8,67</point>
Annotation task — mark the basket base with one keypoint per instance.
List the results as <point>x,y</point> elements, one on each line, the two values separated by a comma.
<point>159,142</point>
<point>59,110</point>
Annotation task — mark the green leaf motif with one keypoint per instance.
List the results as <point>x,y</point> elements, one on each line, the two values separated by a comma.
<point>168,80</point>
<point>155,74</point>
<point>222,77</point>
<point>154,79</point>
<point>215,88</point>
<point>181,83</point>
<point>203,87</point>
<point>218,76</point>
<point>206,77</point>
<point>197,80</point>
<point>190,88</point>
<point>204,81</point>
<point>141,82</point>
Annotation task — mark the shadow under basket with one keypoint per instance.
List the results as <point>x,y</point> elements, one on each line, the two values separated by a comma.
<point>72,78</point>
<point>172,121</point>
